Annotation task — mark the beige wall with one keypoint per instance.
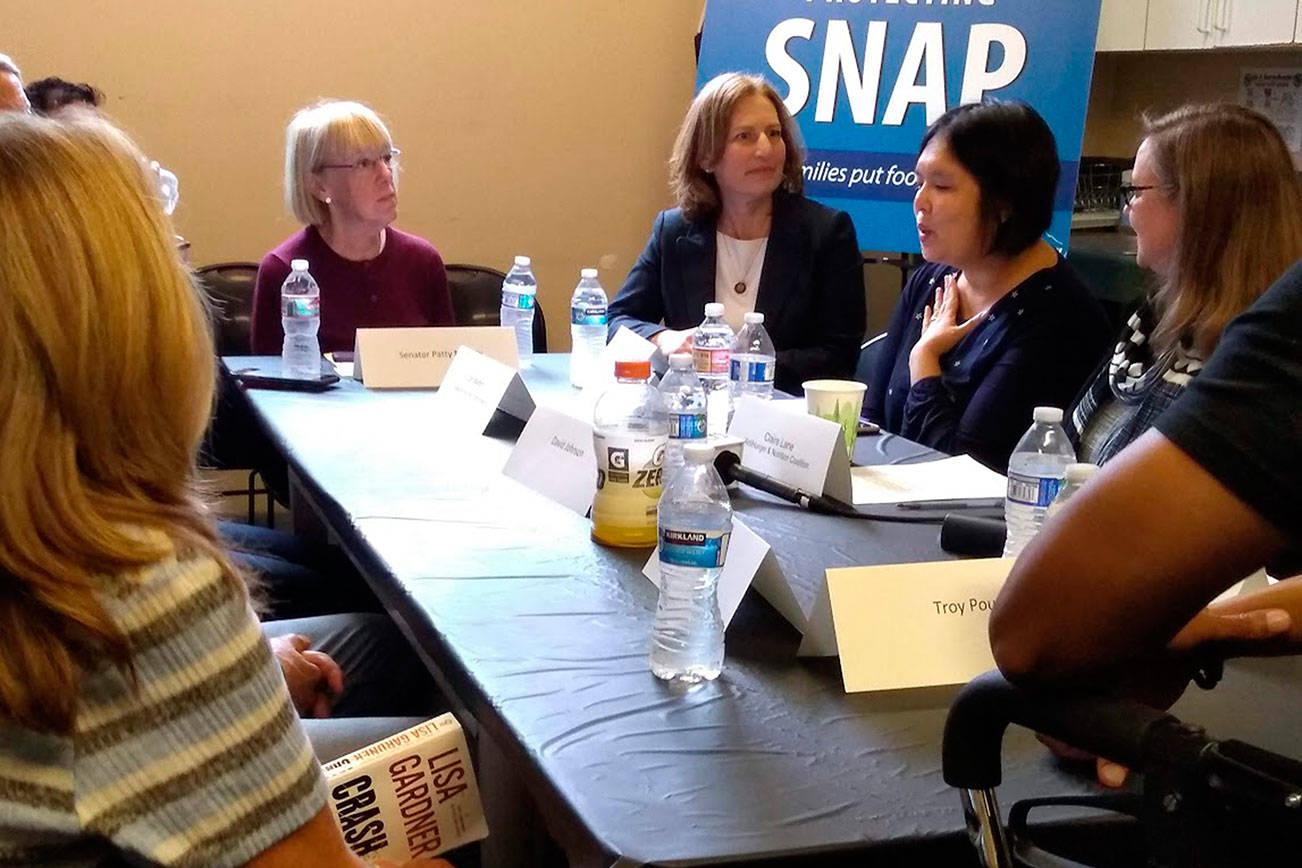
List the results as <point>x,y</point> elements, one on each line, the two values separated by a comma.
<point>1127,85</point>
<point>526,127</point>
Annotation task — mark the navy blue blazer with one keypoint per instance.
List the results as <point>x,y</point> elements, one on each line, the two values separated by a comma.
<point>811,288</point>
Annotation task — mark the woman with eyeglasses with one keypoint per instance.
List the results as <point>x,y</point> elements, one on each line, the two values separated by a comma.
<point>341,183</point>
<point>1217,214</point>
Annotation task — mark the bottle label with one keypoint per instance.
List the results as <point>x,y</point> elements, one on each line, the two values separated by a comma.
<point>711,361</point>
<point>588,316</point>
<point>1032,490</point>
<point>517,300</point>
<point>300,305</point>
<point>687,426</point>
<point>630,464</point>
<point>693,548</point>
<point>752,372</point>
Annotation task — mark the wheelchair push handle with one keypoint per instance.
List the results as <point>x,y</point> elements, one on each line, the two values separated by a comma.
<point>1122,730</point>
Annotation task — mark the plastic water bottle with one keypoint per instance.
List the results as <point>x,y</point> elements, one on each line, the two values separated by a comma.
<point>300,317</point>
<point>1073,480</point>
<point>754,361</point>
<point>1035,471</point>
<point>694,526</point>
<point>630,431</point>
<point>587,327</point>
<point>169,188</point>
<point>519,295</point>
<point>684,398</point>
<point>712,355</point>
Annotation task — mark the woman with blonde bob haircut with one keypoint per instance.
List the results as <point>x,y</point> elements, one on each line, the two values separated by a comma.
<point>743,234</point>
<point>141,712</point>
<point>1217,214</point>
<point>341,174</point>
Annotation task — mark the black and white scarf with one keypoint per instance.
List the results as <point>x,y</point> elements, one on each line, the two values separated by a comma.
<point>1134,377</point>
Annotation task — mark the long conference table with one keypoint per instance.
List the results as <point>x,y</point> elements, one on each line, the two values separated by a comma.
<point>541,636</point>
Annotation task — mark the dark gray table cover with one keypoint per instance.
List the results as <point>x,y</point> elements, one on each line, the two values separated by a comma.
<point>544,635</point>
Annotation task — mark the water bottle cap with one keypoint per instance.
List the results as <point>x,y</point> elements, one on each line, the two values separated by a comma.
<point>1080,473</point>
<point>753,317</point>
<point>1049,415</point>
<point>298,264</point>
<point>629,369</point>
<point>714,308</point>
<point>588,273</point>
<point>523,261</point>
<point>698,452</point>
<point>680,361</point>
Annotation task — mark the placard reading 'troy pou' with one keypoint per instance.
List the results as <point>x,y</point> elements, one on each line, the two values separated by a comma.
<point>418,358</point>
<point>914,625</point>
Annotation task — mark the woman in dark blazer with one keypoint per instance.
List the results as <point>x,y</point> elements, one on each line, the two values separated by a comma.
<point>743,235</point>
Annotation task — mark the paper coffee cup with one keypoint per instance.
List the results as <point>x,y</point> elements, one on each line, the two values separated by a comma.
<point>839,401</point>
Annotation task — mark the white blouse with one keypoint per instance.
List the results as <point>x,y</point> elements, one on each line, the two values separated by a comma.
<point>737,261</point>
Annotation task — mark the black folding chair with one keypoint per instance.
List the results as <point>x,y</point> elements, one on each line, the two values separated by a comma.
<point>1203,802</point>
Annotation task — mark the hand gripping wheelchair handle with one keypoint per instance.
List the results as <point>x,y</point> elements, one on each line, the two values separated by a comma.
<point>1122,730</point>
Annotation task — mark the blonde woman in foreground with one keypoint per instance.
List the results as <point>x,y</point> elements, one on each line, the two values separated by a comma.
<point>141,712</point>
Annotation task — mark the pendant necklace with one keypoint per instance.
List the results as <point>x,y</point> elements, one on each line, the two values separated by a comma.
<point>739,286</point>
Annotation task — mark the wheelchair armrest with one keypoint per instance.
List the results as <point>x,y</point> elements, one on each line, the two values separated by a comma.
<point>1120,729</point>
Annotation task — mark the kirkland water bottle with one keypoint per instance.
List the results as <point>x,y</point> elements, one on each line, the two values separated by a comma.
<point>587,327</point>
<point>712,355</point>
<point>1034,473</point>
<point>519,294</point>
<point>695,523</point>
<point>754,360</point>
<point>1073,480</point>
<point>684,398</point>
<point>300,317</point>
<point>630,430</point>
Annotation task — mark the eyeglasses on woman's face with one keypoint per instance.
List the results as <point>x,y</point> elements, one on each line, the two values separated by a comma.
<point>1130,191</point>
<point>389,159</point>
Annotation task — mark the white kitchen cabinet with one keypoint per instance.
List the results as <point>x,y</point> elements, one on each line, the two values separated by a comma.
<point>1121,25</point>
<point>1253,22</point>
<point>1174,24</point>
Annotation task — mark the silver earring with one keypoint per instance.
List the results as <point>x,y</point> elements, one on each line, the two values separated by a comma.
<point>327,200</point>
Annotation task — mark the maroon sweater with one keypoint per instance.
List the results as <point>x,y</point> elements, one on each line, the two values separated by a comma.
<point>404,286</point>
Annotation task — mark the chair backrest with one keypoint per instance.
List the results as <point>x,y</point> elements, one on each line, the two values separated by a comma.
<point>477,300</point>
<point>869,352</point>
<point>230,287</point>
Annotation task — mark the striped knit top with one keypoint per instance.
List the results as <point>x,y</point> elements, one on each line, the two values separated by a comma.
<point>204,764</point>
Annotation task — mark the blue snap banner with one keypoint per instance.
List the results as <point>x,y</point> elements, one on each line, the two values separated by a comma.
<point>864,78</point>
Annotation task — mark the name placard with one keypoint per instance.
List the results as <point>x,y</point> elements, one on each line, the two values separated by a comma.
<point>475,387</point>
<point>419,358</point>
<point>799,449</point>
<point>746,551</point>
<point>914,625</point>
<point>554,457</point>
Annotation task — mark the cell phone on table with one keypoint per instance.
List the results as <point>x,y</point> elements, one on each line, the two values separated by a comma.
<point>268,374</point>
<point>866,427</point>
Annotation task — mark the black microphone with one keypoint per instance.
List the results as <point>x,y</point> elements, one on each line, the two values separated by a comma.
<point>971,535</point>
<point>730,469</point>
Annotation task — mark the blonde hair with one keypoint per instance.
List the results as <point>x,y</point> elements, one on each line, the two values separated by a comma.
<point>704,135</point>
<point>1240,217</point>
<point>106,382</point>
<point>319,134</point>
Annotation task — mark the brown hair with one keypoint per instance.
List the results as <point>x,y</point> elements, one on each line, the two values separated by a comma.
<point>1240,216</point>
<point>106,383</point>
<point>704,134</point>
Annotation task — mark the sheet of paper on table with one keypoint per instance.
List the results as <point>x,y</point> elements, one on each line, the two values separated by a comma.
<point>960,477</point>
